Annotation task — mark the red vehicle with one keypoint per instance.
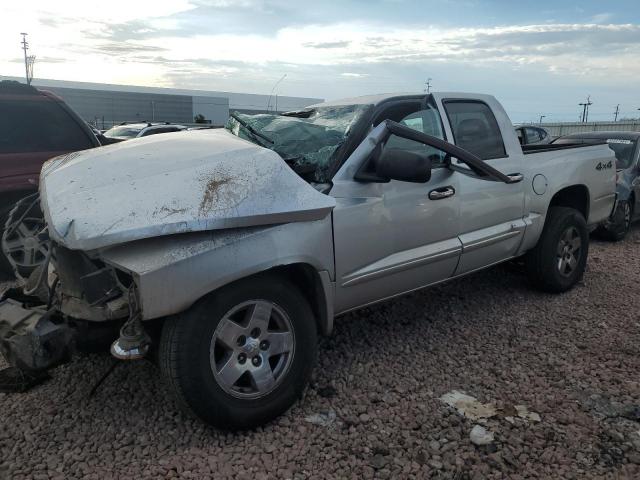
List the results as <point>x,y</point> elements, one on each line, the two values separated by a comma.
<point>35,126</point>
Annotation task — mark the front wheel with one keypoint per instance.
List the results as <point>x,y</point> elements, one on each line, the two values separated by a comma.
<point>242,355</point>
<point>558,261</point>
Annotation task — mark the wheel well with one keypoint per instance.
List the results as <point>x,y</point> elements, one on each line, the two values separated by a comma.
<point>306,278</point>
<point>576,196</point>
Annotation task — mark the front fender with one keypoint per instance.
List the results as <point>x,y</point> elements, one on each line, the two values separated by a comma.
<point>173,272</point>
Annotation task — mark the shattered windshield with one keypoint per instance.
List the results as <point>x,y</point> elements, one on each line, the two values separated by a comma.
<point>307,140</point>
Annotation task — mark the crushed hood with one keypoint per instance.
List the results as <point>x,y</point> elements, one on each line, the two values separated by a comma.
<point>171,183</point>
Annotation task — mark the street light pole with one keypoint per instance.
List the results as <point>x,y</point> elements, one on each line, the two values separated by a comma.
<point>541,117</point>
<point>273,90</point>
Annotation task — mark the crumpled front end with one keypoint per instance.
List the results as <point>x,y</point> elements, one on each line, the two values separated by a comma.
<point>63,300</point>
<point>86,288</point>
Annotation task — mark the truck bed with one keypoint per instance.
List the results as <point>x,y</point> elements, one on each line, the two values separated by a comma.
<point>551,147</point>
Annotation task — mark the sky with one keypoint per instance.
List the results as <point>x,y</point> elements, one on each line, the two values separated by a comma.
<point>538,58</point>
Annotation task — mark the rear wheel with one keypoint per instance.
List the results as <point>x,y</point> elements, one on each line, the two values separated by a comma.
<point>558,261</point>
<point>618,227</point>
<point>242,355</point>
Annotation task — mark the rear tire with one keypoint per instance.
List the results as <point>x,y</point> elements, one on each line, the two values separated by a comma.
<point>620,222</point>
<point>220,356</point>
<point>558,261</point>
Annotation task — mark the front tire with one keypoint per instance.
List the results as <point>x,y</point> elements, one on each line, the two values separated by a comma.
<point>558,261</point>
<point>242,355</point>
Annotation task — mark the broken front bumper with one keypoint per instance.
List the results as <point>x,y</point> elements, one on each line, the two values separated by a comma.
<point>32,339</point>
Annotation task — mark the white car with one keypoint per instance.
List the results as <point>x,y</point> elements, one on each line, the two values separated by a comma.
<point>529,135</point>
<point>127,131</point>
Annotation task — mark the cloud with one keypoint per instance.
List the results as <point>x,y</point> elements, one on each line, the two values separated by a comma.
<point>602,17</point>
<point>249,44</point>
<point>124,48</point>
<point>339,44</point>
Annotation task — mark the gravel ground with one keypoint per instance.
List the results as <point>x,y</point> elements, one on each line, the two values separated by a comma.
<point>573,359</point>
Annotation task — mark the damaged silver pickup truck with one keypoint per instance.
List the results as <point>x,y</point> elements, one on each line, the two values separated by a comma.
<point>225,253</point>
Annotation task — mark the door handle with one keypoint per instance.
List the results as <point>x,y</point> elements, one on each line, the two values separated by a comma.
<point>442,192</point>
<point>515,177</point>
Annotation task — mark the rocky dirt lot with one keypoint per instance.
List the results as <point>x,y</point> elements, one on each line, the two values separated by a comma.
<point>374,409</point>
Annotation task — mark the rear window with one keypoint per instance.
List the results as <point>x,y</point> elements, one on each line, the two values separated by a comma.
<point>475,128</point>
<point>38,124</point>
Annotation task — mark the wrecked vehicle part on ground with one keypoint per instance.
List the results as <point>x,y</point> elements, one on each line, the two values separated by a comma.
<point>244,262</point>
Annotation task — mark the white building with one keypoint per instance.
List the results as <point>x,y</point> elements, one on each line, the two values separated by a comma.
<point>105,104</point>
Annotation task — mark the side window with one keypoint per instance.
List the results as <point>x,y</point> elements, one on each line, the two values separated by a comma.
<point>533,135</point>
<point>426,120</point>
<point>38,124</point>
<point>475,128</point>
<point>520,134</point>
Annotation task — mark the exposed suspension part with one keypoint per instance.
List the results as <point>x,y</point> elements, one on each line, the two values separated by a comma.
<point>134,342</point>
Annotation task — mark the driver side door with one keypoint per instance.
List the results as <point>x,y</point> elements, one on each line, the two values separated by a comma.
<point>394,237</point>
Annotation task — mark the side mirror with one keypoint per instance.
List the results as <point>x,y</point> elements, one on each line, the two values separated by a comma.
<point>403,165</point>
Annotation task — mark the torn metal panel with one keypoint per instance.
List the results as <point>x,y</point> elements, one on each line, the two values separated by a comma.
<point>172,183</point>
<point>171,273</point>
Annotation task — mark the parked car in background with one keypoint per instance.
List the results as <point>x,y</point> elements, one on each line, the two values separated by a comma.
<point>35,125</point>
<point>127,131</point>
<point>626,146</point>
<point>231,250</point>
<point>529,135</point>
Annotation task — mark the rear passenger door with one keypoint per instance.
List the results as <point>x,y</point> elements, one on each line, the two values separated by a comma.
<point>491,213</point>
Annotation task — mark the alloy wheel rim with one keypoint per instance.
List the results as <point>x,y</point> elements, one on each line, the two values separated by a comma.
<point>568,252</point>
<point>26,243</point>
<point>252,349</point>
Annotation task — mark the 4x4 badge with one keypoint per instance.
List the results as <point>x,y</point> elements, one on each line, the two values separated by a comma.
<point>603,166</point>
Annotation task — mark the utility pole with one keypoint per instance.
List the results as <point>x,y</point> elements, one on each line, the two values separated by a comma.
<point>615,118</point>
<point>29,60</point>
<point>541,117</point>
<point>585,109</point>
<point>427,86</point>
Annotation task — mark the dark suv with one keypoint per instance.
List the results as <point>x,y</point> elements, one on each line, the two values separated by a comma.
<point>35,125</point>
